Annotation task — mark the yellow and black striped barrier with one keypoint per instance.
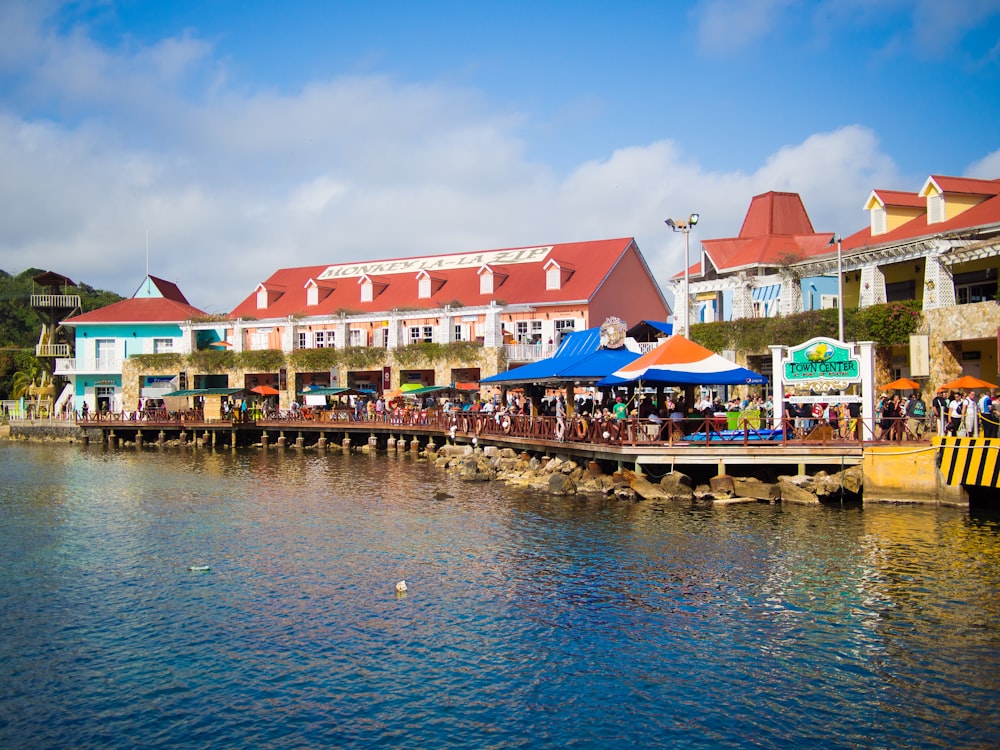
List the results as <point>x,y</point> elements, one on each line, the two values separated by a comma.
<point>970,460</point>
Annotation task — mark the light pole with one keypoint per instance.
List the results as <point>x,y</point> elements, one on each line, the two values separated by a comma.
<point>680,225</point>
<point>840,286</point>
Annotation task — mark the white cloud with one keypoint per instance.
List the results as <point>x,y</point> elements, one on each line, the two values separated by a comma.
<point>727,26</point>
<point>987,168</point>
<point>232,185</point>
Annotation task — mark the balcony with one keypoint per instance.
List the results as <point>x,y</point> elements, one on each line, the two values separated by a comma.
<point>529,352</point>
<point>103,366</point>
<point>52,350</point>
<point>56,301</point>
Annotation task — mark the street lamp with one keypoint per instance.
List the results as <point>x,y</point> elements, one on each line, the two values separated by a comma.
<point>680,225</point>
<point>840,285</point>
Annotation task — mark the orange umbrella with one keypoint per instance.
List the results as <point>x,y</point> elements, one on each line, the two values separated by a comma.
<point>220,344</point>
<point>264,390</point>
<point>903,384</point>
<point>966,383</point>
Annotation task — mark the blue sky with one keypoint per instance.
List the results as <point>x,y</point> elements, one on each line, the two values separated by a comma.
<point>246,136</point>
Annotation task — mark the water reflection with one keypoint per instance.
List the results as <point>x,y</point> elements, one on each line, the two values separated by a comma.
<point>530,620</point>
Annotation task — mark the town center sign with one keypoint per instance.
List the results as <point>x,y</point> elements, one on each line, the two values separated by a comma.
<point>826,368</point>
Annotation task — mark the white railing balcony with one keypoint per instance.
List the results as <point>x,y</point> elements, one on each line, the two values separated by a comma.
<point>52,350</point>
<point>60,301</point>
<point>528,352</point>
<point>65,366</point>
<point>647,346</point>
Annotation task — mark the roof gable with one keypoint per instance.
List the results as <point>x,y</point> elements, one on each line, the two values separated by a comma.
<point>776,213</point>
<point>519,279</point>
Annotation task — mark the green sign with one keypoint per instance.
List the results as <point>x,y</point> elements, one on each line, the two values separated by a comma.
<point>822,359</point>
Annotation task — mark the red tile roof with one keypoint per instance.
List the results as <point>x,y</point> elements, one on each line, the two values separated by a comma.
<point>965,185</point>
<point>586,266</point>
<point>776,229</point>
<point>139,310</point>
<point>900,198</point>
<point>985,213</point>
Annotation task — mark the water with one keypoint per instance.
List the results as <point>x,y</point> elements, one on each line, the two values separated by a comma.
<point>530,621</point>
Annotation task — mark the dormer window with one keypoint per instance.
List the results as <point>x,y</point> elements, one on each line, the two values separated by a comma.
<point>490,279</point>
<point>371,287</point>
<point>556,274</point>
<point>267,294</point>
<point>878,220</point>
<point>935,208</point>
<point>317,292</point>
<point>428,285</point>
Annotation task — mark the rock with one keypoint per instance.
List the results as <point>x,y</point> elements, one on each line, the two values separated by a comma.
<point>647,490</point>
<point>722,486</point>
<point>755,489</point>
<point>560,484</point>
<point>623,492</point>
<point>677,484</point>
<point>735,500</point>
<point>852,479</point>
<point>791,492</point>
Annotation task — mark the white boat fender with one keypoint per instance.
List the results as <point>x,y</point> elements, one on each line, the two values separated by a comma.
<point>199,568</point>
<point>401,587</point>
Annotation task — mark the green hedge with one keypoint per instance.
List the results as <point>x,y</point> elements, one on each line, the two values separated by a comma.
<point>886,325</point>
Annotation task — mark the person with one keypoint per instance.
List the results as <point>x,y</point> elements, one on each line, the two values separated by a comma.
<point>970,415</point>
<point>620,409</point>
<point>987,425</point>
<point>891,416</point>
<point>955,407</point>
<point>939,407</point>
<point>916,411</point>
<point>85,410</point>
<point>560,419</point>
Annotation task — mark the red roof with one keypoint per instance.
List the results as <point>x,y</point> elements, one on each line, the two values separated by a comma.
<point>775,230</point>
<point>139,310</point>
<point>985,213</point>
<point>900,198</point>
<point>965,185</point>
<point>585,266</point>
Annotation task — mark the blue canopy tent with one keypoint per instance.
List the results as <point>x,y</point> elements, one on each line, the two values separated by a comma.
<point>580,358</point>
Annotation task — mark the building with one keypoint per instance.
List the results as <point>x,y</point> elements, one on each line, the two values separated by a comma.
<point>485,311</point>
<point>757,273</point>
<point>939,245</point>
<point>150,322</point>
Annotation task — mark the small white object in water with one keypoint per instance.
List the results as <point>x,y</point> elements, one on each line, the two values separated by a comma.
<point>199,568</point>
<point>401,587</point>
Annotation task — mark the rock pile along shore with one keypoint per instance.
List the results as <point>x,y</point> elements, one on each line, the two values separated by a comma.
<point>566,477</point>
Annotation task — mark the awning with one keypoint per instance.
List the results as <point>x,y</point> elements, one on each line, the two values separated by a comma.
<point>766,293</point>
<point>204,392</point>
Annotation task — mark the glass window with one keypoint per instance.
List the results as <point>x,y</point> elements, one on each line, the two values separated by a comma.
<point>163,346</point>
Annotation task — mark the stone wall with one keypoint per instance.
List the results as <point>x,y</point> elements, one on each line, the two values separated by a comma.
<point>948,327</point>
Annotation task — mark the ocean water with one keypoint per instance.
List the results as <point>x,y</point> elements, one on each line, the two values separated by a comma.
<point>529,621</point>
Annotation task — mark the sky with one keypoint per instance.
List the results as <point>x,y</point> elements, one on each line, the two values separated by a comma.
<point>214,141</point>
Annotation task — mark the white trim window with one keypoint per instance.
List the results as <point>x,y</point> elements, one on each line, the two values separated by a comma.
<point>564,327</point>
<point>879,220</point>
<point>303,339</point>
<point>935,209</point>
<point>163,346</point>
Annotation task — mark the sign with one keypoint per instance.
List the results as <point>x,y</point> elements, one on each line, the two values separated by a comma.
<point>821,360</point>
<point>437,263</point>
<point>920,358</point>
<point>386,378</point>
<point>834,399</point>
